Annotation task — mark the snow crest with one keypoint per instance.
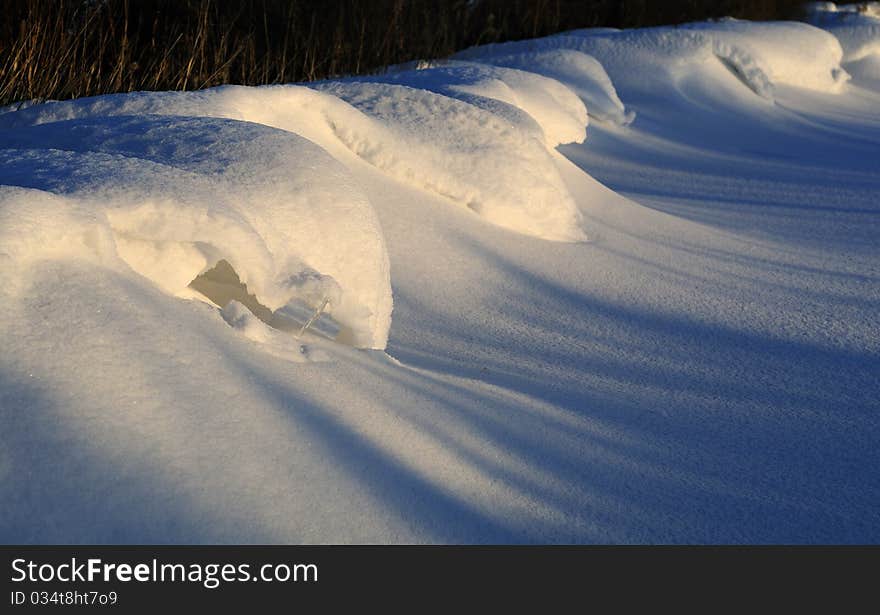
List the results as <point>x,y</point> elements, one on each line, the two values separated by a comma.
<point>175,195</point>
<point>761,55</point>
<point>857,28</point>
<point>559,113</point>
<point>462,152</point>
<point>769,53</point>
<point>581,73</point>
<point>473,156</point>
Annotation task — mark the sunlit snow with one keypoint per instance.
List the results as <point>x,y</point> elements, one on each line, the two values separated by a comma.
<point>634,278</point>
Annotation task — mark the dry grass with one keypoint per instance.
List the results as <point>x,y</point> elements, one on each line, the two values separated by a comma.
<point>71,48</point>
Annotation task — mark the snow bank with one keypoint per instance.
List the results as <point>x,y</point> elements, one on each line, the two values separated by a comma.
<point>857,27</point>
<point>704,372</point>
<point>295,109</point>
<point>761,55</point>
<point>581,73</point>
<point>37,225</point>
<point>783,52</point>
<point>631,59</point>
<point>557,110</point>
<point>470,155</point>
<point>465,153</point>
<point>172,196</point>
<point>824,13</point>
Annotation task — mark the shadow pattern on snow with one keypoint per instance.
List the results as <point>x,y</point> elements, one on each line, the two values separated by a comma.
<point>713,433</point>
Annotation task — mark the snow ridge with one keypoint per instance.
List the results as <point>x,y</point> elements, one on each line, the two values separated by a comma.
<point>179,194</point>
<point>385,125</point>
<point>857,27</point>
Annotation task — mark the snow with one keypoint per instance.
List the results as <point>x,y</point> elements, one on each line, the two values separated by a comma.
<point>178,194</point>
<point>558,111</point>
<point>465,153</point>
<point>761,55</point>
<point>581,73</point>
<point>239,317</point>
<point>857,27</point>
<point>704,369</point>
<point>823,12</point>
<point>477,158</point>
<point>787,53</point>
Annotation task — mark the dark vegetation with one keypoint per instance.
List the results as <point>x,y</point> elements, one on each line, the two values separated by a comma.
<point>70,48</point>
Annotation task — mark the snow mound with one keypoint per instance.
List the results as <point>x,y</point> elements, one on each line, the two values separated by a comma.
<point>857,28</point>
<point>473,156</point>
<point>170,197</point>
<point>787,53</point>
<point>823,13</point>
<point>558,112</point>
<point>465,153</point>
<point>581,73</point>
<point>631,59</point>
<point>761,55</point>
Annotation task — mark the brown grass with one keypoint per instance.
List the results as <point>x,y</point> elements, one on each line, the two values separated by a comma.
<point>71,48</point>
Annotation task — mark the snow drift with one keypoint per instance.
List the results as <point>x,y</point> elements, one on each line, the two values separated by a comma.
<point>778,53</point>
<point>705,371</point>
<point>465,153</point>
<point>857,27</point>
<point>761,55</point>
<point>172,196</point>
<point>581,73</point>
<point>560,115</point>
<point>473,156</point>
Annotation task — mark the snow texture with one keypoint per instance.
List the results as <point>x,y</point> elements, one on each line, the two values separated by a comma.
<point>857,28</point>
<point>464,153</point>
<point>178,194</point>
<point>580,72</point>
<point>477,158</point>
<point>559,113</point>
<point>761,55</point>
<point>704,370</point>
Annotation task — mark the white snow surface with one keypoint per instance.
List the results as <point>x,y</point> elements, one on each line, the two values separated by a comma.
<point>560,114</point>
<point>582,73</point>
<point>178,194</point>
<point>483,160</point>
<point>703,370</point>
<point>783,52</point>
<point>760,54</point>
<point>470,155</point>
<point>857,27</point>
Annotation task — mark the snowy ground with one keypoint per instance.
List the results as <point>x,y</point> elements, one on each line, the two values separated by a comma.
<point>667,332</point>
